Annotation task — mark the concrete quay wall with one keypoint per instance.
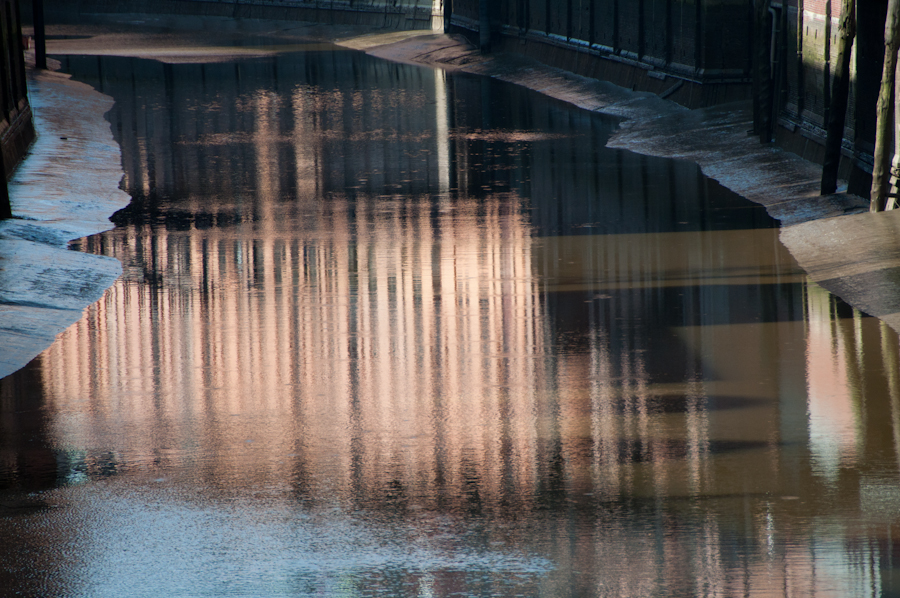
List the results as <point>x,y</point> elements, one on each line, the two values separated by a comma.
<point>810,46</point>
<point>16,126</point>
<point>396,14</point>
<point>694,52</point>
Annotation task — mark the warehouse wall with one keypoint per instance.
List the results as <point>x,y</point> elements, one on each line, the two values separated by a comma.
<point>400,14</point>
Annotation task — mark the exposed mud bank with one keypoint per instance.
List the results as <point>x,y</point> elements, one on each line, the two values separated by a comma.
<point>66,188</point>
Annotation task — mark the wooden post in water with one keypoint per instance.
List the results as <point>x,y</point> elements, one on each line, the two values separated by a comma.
<point>885,108</point>
<point>840,92</point>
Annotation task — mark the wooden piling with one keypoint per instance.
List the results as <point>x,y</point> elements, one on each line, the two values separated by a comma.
<point>826,72</point>
<point>40,38</point>
<point>778,61</point>
<point>885,107</point>
<point>484,26</point>
<point>5,205</point>
<point>892,178</point>
<point>762,74</point>
<point>839,96</point>
<point>801,68</point>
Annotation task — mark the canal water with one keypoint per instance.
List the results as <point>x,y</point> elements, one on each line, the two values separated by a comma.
<point>388,331</point>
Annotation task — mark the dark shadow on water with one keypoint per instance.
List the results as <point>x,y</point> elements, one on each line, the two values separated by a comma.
<point>677,403</point>
<point>324,124</point>
<point>33,466</point>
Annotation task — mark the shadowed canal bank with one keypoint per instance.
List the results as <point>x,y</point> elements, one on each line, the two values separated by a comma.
<point>389,330</point>
<point>66,188</point>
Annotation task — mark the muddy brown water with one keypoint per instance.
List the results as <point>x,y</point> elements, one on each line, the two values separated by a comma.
<point>384,330</point>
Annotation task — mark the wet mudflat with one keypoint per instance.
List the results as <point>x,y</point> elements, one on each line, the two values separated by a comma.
<point>383,330</point>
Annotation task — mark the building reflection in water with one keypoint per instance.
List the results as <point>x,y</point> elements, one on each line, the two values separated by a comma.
<point>421,299</point>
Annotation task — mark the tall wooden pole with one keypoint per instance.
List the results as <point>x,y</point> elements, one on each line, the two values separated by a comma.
<point>839,95</point>
<point>884,107</point>
<point>5,205</point>
<point>762,74</point>
<point>778,60</point>
<point>40,39</point>
<point>9,100</point>
<point>826,91</point>
<point>448,15</point>
<point>484,26</point>
<point>801,72</point>
<point>892,183</point>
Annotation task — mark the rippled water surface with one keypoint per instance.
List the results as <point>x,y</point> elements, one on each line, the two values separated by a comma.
<point>385,331</point>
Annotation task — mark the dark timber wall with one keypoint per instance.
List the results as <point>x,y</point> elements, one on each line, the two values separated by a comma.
<point>400,14</point>
<point>811,50</point>
<point>16,126</point>
<point>16,129</point>
<point>695,52</point>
